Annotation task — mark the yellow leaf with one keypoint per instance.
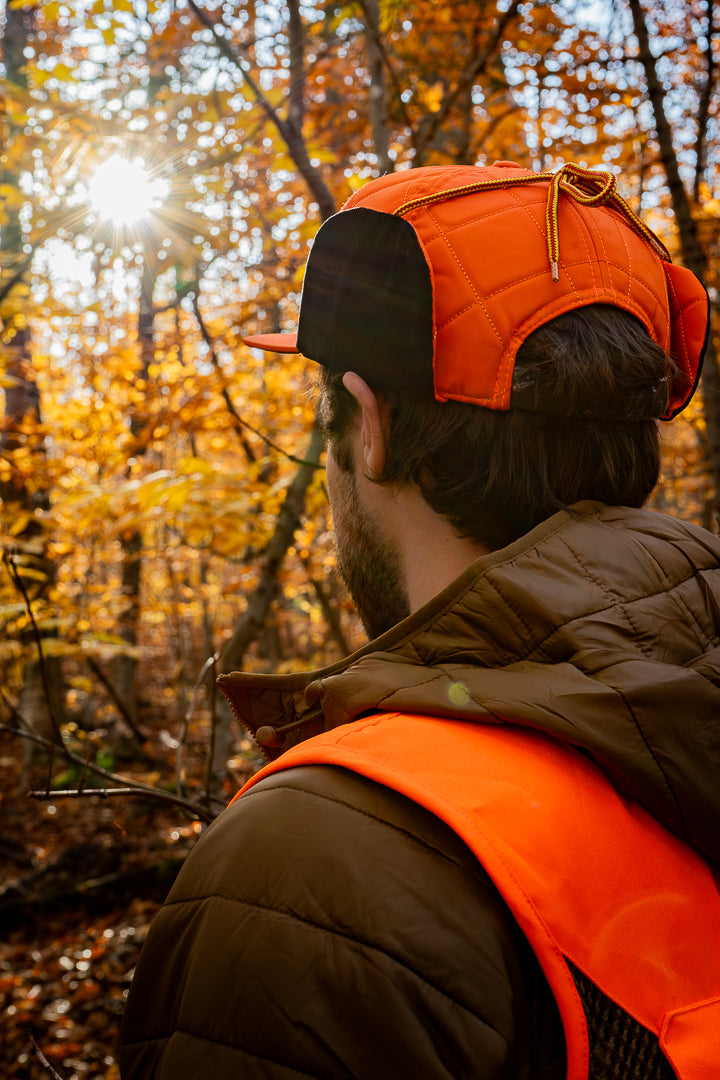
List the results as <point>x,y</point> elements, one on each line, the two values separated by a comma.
<point>19,524</point>
<point>62,71</point>
<point>356,182</point>
<point>34,575</point>
<point>433,97</point>
<point>189,465</point>
<point>178,495</point>
<point>40,77</point>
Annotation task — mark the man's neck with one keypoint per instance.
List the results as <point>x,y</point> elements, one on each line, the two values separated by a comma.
<point>432,553</point>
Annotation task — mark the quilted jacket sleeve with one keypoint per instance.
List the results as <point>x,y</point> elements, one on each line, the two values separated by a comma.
<point>325,926</point>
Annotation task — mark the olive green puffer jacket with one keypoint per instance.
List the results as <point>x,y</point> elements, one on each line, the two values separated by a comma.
<point>327,927</point>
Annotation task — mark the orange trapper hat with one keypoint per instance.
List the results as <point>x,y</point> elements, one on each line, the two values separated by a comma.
<point>429,280</point>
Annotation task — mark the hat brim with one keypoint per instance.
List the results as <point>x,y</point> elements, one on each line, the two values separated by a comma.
<point>280,343</point>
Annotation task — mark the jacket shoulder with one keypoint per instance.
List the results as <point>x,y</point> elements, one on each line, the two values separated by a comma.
<point>327,926</point>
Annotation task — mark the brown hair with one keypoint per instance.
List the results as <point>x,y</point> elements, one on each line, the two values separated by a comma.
<point>495,475</point>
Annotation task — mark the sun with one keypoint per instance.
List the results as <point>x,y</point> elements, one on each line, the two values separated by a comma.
<point>123,191</point>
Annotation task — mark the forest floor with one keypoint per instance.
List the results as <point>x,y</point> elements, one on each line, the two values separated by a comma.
<point>80,882</point>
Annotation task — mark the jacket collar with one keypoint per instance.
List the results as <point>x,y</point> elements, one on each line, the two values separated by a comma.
<point>599,627</point>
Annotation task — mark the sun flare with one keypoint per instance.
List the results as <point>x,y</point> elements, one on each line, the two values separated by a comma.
<point>124,192</point>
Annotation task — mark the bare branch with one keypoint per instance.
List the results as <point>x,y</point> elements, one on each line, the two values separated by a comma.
<point>237,419</point>
<point>291,135</point>
<point>209,663</point>
<point>296,40</point>
<point>474,67</point>
<point>331,616</point>
<point>119,704</point>
<point>692,253</point>
<point>373,28</point>
<point>692,256</point>
<point>20,586</point>
<point>130,792</point>
<point>43,1060</point>
<point>287,522</point>
<point>130,786</point>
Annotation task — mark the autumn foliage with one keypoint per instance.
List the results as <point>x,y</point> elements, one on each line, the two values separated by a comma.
<point>163,514</point>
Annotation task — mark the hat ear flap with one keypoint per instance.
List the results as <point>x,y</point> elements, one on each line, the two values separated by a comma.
<point>689,306</point>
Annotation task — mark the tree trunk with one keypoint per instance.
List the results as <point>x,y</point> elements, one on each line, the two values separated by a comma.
<point>125,668</point>
<point>290,130</point>
<point>377,90</point>
<point>22,413</point>
<point>253,620</point>
<point>692,255</point>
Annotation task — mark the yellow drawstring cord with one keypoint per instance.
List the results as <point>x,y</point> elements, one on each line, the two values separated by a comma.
<point>584,186</point>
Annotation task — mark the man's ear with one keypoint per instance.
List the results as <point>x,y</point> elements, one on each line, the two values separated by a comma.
<point>374,423</point>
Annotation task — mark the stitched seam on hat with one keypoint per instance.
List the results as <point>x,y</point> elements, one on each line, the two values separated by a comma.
<point>484,216</point>
<point>627,252</point>
<point>583,232</point>
<point>598,238</point>
<point>487,214</point>
<point>680,320</point>
<point>478,298</point>
<point>598,242</point>
<point>507,367</point>
<point>567,266</point>
<point>408,188</point>
<point>608,263</point>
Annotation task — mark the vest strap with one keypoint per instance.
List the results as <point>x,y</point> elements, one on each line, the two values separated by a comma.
<point>589,875</point>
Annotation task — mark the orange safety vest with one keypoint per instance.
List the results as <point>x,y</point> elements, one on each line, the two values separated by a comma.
<point>589,875</point>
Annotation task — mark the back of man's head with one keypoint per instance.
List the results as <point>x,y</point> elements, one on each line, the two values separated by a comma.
<point>496,474</point>
<point>528,329</point>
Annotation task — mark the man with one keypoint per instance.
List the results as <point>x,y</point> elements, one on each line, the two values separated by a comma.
<point>486,845</point>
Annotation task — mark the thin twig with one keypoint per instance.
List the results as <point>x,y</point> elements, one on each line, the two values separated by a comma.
<point>213,732</point>
<point>117,778</point>
<point>199,682</point>
<point>83,776</point>
<point>43,1060</point>
<point>137,731</point>
<point>239,422</point>
<point>59,742</point>
<point>20,585</point>
<point>207,815</point>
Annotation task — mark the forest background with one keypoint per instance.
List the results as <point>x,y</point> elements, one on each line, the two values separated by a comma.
<point>164,165</point>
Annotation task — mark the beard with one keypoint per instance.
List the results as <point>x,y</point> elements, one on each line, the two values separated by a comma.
<point>370,567</point>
